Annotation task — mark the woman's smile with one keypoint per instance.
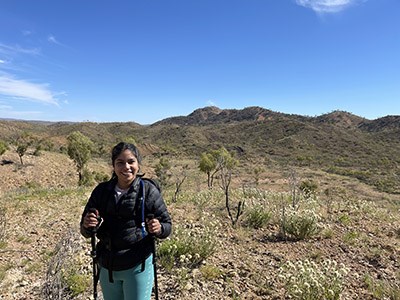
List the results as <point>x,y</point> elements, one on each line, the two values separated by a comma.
<point>126,166</point>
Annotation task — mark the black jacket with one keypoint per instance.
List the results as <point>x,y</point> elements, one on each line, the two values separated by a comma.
<point>122,244</point>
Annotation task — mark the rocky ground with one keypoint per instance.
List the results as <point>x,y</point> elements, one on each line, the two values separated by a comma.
<point>33,223</point>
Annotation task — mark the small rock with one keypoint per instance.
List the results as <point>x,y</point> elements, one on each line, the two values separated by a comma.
<point>188,286</point>
<point>23,283</point>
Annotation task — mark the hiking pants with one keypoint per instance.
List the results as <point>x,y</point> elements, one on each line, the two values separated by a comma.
<point>131,284</point>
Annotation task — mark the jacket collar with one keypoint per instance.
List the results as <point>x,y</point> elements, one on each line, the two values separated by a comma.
<point>133,188</point>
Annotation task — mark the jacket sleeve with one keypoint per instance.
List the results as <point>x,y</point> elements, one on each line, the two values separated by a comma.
<point>157,206</point>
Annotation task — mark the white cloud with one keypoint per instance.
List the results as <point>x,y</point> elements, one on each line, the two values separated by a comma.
<point>327,6</point>
<point>53,40</point>
<point>26,90</point>
<point>26,32</point>
<point>8,50</point>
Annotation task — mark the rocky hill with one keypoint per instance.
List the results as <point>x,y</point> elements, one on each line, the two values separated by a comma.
<point>338,142</point>
<point>213,115</point>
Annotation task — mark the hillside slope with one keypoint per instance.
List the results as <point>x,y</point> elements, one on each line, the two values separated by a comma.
<point>338,142</point>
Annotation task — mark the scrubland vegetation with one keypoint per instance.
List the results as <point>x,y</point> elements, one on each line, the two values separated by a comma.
<point>332,245</point>
<point>245,226</point>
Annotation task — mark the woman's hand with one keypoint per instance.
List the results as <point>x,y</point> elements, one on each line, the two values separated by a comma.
<point>91,219</point>
<point>154,226</point>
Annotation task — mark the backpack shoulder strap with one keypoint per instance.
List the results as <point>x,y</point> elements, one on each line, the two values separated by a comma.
<point>142,207</point>
<point>153,182</point>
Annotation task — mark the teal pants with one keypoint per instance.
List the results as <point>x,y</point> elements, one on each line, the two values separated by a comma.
<point>131,284</point>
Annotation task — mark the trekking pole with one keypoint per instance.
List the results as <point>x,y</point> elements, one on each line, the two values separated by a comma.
<point>151,216</point>
<point>93,254</point>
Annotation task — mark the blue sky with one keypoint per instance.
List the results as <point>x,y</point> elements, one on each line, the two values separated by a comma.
<point>143,61</point>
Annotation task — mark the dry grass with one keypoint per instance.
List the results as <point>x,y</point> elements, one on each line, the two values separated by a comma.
<point>42,206</point>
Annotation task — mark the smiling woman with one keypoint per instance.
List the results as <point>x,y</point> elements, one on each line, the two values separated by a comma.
<point>126,213</point>
<point>126,165</point>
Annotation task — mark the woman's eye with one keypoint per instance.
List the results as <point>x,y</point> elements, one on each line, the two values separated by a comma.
<point>123,163</point>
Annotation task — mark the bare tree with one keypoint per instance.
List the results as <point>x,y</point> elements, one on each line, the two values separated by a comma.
<point>294,183</point>
<point>178,183</point>
<point>226,163</point>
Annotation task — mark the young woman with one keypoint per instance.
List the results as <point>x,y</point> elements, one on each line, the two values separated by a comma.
<point>132,211</point>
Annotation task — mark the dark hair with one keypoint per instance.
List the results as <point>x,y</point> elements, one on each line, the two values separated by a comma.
<point>121,147</point>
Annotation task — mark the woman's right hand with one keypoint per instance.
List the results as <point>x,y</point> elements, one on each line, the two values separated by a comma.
<point>91,219</point>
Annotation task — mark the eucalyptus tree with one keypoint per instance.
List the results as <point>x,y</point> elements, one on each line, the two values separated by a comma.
<point>79,149</point>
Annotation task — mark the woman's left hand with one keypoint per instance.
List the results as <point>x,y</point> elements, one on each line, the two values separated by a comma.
<point>154,226</point>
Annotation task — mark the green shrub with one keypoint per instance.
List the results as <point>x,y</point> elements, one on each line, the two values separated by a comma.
<point>257,217</point>
<point>386,185</point>
<point>211,272</point>
<point>187,247</point>
<point>307,280</point>
<point>163,173</point>
<point>2,228</point>
<point>3,270</point>
<point>90,178</point>
<point>299,225</point>
<point>87,178</point>
<point>66,275</point>
<point>38,150</point>
<point>382,289</point>
<point>351,237</point>
<point>100,177</point>
<point>327,233</point>
<point>76,283</point>
<point>3,147</point>
<point>203,198</point>
<point>345,219</point>
<point>3,244</point>
<point>80,151</point>
<point>32,185</point>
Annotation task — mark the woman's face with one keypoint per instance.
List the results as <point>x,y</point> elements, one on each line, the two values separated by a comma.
<point>126,167</point>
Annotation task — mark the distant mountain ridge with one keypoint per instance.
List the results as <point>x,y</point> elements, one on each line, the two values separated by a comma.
<point>384,123</point>
<point>337,142</point>
<point>212,114</point>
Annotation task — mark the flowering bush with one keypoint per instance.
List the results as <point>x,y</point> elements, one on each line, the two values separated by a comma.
<point>188,246</point>
<point>298,224</point>
<point>307,280</point>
